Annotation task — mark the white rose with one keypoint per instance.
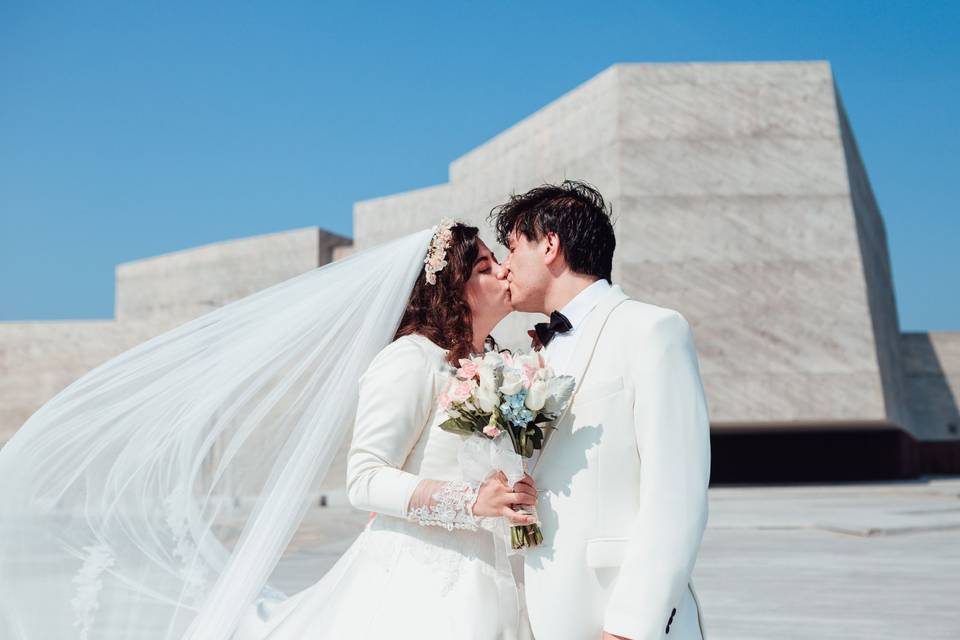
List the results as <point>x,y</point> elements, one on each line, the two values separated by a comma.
<point>487,393</point>
<point>536,396</point>
<point>527,359</point>
<point>487,398</point>
<point>545,374</point>
<point>512,382</point>
<point>488,377</point>
<point>493,359</point>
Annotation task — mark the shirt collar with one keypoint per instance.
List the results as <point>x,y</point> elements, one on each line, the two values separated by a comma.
<point>583,303</point>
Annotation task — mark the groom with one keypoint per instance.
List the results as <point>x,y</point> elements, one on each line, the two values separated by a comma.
<point>622,481</point>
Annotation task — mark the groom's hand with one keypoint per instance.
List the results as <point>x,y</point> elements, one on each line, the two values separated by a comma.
<point>610,636</point>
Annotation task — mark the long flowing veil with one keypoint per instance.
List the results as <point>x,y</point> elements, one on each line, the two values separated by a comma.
<point>114,494</point>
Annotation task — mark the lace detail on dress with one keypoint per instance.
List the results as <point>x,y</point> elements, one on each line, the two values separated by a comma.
<point>450,504</point>
<point>98,559</point>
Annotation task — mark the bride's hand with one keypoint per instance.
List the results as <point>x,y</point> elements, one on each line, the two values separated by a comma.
<point>495,497</point>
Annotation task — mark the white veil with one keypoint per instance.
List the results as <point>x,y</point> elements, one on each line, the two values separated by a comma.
<point>114,494</point>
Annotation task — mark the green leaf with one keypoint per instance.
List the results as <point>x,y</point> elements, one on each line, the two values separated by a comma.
<point>454,425</point>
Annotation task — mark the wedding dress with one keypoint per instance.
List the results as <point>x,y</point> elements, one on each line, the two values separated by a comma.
<point>425,567</point>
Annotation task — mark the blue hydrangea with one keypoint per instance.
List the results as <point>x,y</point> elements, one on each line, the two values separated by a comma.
<point>513,410</point>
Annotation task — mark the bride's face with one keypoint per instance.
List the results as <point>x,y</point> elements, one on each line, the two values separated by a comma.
<point>488,296</point>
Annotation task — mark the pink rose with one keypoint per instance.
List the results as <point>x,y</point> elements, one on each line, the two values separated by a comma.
<point>444,401</point>
<point>467,370</point>
<point>491,431</point>
<point>460,392</point>
<point>529,373</point>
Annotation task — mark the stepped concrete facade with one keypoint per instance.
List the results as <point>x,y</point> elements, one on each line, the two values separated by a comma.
<point>740,199</point>
<point>39,358</point>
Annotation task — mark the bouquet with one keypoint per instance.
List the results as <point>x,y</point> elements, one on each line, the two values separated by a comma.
<point>506,393</point>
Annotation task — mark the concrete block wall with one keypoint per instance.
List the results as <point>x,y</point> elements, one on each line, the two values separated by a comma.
<point>39,359</point>
<point>931,368</point>
<point>737,212</point>
<point>186,284</point>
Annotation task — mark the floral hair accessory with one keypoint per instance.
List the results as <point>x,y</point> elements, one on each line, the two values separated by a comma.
<point>436,255</point>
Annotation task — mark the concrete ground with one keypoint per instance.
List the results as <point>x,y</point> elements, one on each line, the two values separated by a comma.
<point>854,561</point>
<point>877,561</point>
<point>871,561</point>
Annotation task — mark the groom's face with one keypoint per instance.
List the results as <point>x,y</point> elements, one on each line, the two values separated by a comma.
<point>526,271</point>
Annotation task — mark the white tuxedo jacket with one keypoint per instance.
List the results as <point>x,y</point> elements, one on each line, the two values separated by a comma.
<point>623,483</point>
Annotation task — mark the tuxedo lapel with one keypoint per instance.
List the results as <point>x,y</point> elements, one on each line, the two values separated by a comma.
<point>583,353</point>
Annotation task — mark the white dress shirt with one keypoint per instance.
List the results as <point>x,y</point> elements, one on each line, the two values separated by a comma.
<point>560,349</point>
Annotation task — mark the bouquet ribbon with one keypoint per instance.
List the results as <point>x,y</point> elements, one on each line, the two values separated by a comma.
<point>479,458</point>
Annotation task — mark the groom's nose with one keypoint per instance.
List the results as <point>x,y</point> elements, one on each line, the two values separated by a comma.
<point>504,269</point>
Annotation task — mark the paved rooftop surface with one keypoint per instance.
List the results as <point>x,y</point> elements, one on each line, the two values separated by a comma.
<point>854,561</point>
<point>871,561</point>
<point>878,560</point>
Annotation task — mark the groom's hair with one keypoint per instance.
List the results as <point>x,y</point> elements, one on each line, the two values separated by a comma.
<point>575,211</point>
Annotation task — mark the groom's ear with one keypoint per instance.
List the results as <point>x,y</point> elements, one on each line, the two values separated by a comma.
<point>551,248</point>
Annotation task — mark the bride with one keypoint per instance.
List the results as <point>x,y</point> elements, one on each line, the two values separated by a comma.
<point>424,566</point>
<point>155,496</point>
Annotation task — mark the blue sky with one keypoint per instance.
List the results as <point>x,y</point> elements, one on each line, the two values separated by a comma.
<point>129,130</point>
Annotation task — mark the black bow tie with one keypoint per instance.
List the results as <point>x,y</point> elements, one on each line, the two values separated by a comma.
<point>546,330</point>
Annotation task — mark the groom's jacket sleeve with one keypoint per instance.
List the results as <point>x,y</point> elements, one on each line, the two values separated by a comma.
<point>395,395</point>
<point>673,440</point>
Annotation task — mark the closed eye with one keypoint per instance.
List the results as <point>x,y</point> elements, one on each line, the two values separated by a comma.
<point>485,262</point>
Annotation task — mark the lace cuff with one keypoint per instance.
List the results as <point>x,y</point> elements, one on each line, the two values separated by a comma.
<point>447,504</point>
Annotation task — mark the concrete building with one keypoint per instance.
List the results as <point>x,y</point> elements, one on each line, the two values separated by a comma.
<point>740,200</point>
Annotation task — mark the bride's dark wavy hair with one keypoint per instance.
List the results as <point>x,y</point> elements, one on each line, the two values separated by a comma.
<point>440,311</point>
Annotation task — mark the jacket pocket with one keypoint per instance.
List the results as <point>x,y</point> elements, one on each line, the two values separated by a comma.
<point>605,552</point>
<point>599,389</point>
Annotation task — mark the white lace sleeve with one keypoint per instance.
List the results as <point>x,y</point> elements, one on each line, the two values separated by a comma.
<point>445,503</point>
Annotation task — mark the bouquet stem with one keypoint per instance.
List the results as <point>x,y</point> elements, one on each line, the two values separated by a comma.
<point>525,535</point>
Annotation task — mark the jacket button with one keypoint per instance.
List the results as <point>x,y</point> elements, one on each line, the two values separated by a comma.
<point>673,612</point>
<point>668,629</point>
